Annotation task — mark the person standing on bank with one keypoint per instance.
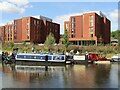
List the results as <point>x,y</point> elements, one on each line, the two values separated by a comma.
<point>32,49</point>
<point>86,55</point>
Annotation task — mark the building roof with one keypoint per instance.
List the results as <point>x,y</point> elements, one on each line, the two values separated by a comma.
<point>43,18</point>
<point>97,12</point>
<point>10,22</point>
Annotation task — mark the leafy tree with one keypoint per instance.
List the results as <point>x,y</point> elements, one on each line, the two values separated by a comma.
<point>50,40</point>
<point>66,40</point>
<point>11,44</point>
<point>24,43</point>
<point>115,34</point>
<point>118,41</point>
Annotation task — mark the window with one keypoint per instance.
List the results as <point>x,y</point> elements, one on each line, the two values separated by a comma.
<point>66,26</point>
<point>15,23</point>
<point>14,27</point>
<point>56,30</point>
<point>91,35</point>
<point>37,22</point>
<point>91,18</point>
<point>91,21</point>
<point>28,37</point>
<point>15,36</point>
<point>27,31</point>
<point>28,24</point>
<point>91,29</point>
<point>27,20</point>
<point>73,19</point>
<point>34,22</point>
<point>50,29</point>
<point>73,25</point>
<point>72,36</point>
<point>73,31</point>
<point>9,29</point>
<point>91,24</point>
<point>47,24</point>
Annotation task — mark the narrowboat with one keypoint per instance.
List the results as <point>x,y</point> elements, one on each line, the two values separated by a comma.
<point>79,59</point>
<point>40,58</point>
<point>91,57</point>
<point>98,58</point>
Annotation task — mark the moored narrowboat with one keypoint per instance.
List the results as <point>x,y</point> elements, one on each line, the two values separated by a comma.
<point>40,58</point>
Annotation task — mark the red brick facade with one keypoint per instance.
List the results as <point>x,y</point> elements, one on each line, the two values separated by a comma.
<point>9,32</point>
<point>88,28</point>
<point>2,33</point>
<point>31,29</point>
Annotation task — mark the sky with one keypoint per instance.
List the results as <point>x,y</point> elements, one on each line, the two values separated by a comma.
<point>58,11</point>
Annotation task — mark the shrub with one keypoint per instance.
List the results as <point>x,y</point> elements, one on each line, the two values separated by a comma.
<point>11,44</point>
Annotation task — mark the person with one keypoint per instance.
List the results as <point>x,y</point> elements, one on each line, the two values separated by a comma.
<point>3,56</point>
<point>12,56</point>
<point>33,49</point>
<point>50,52</point>
<point>40,51</point>
<point>15,51</point>
<point>86,55</point>
<point>46,58</point>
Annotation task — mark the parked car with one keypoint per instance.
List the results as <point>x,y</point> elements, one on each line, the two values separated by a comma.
<point>115,58</point>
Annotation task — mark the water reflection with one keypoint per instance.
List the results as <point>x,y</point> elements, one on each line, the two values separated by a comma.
<point>102,75</point>
<point>69,76</point>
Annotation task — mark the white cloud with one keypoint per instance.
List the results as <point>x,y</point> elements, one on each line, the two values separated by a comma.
<point>14,6</point>
<point>62,18</point>
<point>113,16</point>
<point>19,2</point>
<point>74,0</point>
<point>11,8</point>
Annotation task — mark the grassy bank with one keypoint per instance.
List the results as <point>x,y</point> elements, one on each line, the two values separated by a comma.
<point>106,50</point>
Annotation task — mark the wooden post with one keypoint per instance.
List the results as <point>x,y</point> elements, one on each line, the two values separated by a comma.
<point>46,63</point>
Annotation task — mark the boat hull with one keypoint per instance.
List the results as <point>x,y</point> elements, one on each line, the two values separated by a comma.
<point>102,62</point>
<point>27,62</point>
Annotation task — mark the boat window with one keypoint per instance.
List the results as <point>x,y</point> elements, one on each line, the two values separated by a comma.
<point>31,57</point>
<point>42,57</point>
<point>58,57</point>
<point>49,57</point>
<point>37,57</point>
<point>20,56</point>
<point>27,56</point>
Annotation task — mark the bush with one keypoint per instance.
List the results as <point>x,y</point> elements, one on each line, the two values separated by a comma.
<point>11,44</point>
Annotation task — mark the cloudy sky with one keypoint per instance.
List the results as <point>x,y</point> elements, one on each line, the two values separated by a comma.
<point>58,11</point>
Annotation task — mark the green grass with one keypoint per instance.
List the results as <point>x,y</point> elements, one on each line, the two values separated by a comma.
<point>107,50</point>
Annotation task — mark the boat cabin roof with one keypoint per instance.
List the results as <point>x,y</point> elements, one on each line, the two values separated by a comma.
<point>38,54</point>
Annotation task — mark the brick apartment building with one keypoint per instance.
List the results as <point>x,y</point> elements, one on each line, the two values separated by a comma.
<point>2,33</point>
<point>88,29</point>
<point>33,29</point>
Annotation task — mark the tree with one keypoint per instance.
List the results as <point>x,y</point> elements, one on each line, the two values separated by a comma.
<point>115,34</point>
<point>118,41</point>
<point>66,40</point>
<point>24,43</point>
<point>50,40</point>
<point>11,44</point>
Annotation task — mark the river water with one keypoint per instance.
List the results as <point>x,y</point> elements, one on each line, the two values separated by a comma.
<point>69,76</point>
